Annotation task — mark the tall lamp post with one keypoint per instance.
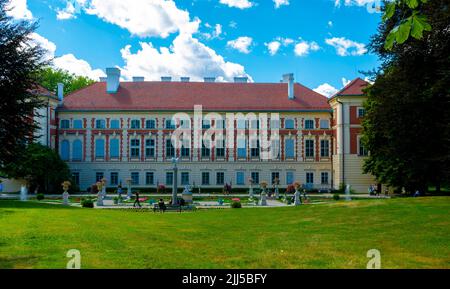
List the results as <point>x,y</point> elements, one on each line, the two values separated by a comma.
<point>175,181</point>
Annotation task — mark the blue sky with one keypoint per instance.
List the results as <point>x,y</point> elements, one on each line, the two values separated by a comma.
<point>321,41</point>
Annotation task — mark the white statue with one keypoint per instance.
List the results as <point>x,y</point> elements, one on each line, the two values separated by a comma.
<point>263,198</point>
<point>348,190</point>
<point>250,192</point>
<point>99,199</point>
<point>297,198</point>
<point>66,198</point>
<point>23,193</point>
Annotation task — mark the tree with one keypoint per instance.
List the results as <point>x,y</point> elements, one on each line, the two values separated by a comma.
<point>49,78</point>
<point>407,125</point>
<point>19,62</point>
<point>42,167</point>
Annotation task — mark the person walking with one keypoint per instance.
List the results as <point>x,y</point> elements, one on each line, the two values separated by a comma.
<point>162,206</point>
<point>136,201</point>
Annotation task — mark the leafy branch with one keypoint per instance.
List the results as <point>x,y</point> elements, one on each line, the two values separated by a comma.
<point>414,25</point>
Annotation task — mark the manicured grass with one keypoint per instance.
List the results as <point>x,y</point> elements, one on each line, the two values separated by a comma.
<point>409,233</point>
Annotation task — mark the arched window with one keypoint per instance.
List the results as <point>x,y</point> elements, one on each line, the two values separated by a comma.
<point>65,150</point>
<point>100,148</point>
<point>114,148</point>
<point>77,153</point>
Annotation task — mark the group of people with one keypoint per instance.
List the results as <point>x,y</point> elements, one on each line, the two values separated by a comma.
<point>376,191</point>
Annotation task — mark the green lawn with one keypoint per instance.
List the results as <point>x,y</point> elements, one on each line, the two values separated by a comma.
<point>409,233</point>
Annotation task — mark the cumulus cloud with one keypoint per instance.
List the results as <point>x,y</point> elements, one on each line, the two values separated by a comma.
<point>18,9</point>
<point>241,44</point>
<point>345,81</point>
<point>273,47</point>
<point>346,47</point>
<point>144,18</point>
<point>77,66</point>
<point>241,4</point>
<point>279,3</point>
<point>50,47</point>
<point>303,48</point>
<point>66,13</point>
<point>338,3</point>
<point>215,33</point>
<point>326,89</point>
<point>186,57</point>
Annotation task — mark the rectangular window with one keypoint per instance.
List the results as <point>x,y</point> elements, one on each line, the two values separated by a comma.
<point>170,124</point>
<point>275,123</point>
<point>77,124</point>
<point>361,112</point>
<point>255,177</point>
<point>220,149</point>
<point>184,179</point>
<point>76,178</point>
<point>150,148</point>
<point>206,151</point>
<point>99,177</point>
<point>289,178</point>
<point>185,150</point>
<point>65,124</point>
<point>324,178</point>
<point>150,124</point>
<point>254,124</point>
<point>205,178</point>
<point>324,124</point>
<point>220,178</point>
<point>324,148</point>
<point>241,124</point>
<point>275,149</point>
<point>309,178</point>
<point>135,124</point>
<point>289,124</point>
<point>135,178</point>
<point>242,148</point>
<point>115,124</point>
<point>135,148</point>
<point>170,150</point>
<point>219,123</point>
<point>254,151</point>
<point>309,124</point>
<point>275,176</point>
<point>100,124</point>
<point>114,179</point>
<point>114,148</point>
<point>169,178</point>
<point>290,148</point>
<point>149,178</point>
<point>363,152</point>
<point>309,148</point>
<point>206,124</point>
<point>100,149</point>
<point>240,178</point>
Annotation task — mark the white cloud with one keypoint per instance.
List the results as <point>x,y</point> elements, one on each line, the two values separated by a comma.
<point>144,18</point>
<point>346,47</point>
<point>345,81</point>
<point>326,89</point>
<point>241,4</point>
<point>77,66</point>
<point>66,13</point>
<point>43,42</point>
<point>273,47</point>
<point>18,9</point>
<point>337,3</point>
<point>241,44</point>
<point>303,48</point>
<point>330,23</point>
<point>279,3</point>
<point>186,57</point>
<point>215,33</point>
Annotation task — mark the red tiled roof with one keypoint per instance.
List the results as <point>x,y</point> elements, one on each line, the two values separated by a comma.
<point>174,96</point>
<point>355,87</point>
<point>42,91</point>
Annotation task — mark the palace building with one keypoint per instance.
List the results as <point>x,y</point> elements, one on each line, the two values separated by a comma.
<point>122,131</point>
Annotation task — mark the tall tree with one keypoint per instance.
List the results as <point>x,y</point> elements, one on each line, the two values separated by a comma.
<point>50,77</point>
<point>19,62</point>
<point>407,126</point>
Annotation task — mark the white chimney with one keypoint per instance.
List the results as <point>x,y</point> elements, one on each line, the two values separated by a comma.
<point>112,80</point>
<point>60,91</point>
<point>138,79</point>
<point>210,79</point>
<point>166,79</point>
<point>185,79</point>
<point>289,79</point>
<point>241,79</point>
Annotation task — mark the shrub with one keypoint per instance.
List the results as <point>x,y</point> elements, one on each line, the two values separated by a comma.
<point>87,203</point>
<point>40,197</point>
<point>236,205</point>
<point>336,197</point>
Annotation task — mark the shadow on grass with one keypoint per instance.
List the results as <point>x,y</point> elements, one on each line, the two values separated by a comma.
<point>30,205</point>
<point>18,262</point>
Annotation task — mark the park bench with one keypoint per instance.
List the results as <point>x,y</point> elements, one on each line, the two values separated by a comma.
<point>172,208</point>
